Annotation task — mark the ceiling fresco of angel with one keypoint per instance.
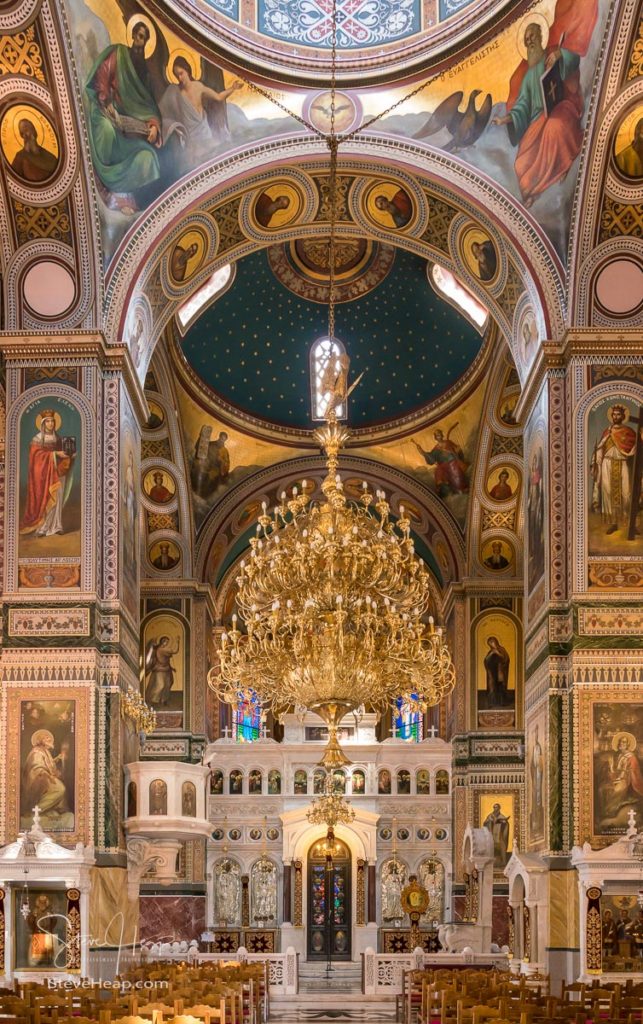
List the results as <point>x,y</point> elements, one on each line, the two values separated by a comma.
<point>515,110</point>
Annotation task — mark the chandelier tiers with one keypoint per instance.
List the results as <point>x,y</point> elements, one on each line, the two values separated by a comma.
<point>335,604</point>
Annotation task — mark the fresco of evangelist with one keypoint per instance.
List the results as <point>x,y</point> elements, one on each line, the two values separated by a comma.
<point>515,110</point>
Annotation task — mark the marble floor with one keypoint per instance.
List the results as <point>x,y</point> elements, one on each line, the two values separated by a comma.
<point>301,1013</point>
<point>332,1000</point>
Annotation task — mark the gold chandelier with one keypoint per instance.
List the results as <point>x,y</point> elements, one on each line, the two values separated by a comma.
<point>331,809</point>
<point>334,601</point>
<point>335,604</point>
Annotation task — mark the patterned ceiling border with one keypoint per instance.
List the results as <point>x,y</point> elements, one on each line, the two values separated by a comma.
<point>436,46</point>
<point>487,517</point>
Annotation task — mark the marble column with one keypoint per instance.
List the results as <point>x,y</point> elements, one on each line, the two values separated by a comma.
<point>287,911</point>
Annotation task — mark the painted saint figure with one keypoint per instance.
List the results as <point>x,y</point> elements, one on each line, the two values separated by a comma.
<point>545,104</point>
<point>622,783</point>
<point>448,458</point>
<point>158,491</point>
<point>612,468</point>
<point>33,162</point>
<point>46,943</point>
<point>187,104</point>
<point>535,518</point>
<point>496,664</point>
<point>211,462</point>
<point>266,207</point>
<point>609,936</point>
<point>398,207</point>
<point>536,774</point>
<point>498,825</point>
<point>49,478</point>
<point>42,775</point>
<point>124,122</point>
<point>393,881</point>
<point>165,559</point>
<point>130,533</point>
<point>159,670</point>
<point>497,560</point>
<point>181,256</point>
<point>484,253</point>
<point>501,491</point>
<point>630,159</point>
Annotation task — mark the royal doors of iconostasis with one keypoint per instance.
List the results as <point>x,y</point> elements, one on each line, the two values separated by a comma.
<point>329,901</point>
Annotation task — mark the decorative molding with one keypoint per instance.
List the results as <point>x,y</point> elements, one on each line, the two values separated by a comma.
<point>611,621</point>
<point>49,622</point>
<point>536,643</point>
<point>561,627</point>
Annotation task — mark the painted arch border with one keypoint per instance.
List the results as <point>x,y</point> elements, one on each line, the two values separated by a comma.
<point>471,192</point>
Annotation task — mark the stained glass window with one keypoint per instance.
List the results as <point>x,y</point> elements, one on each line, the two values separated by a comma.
<point>324,366</point>
<point>409,724</point>
<point>246,720</point>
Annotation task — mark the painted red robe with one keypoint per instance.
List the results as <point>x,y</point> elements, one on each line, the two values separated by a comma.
<point>548,146</point>
<point>45,479</point>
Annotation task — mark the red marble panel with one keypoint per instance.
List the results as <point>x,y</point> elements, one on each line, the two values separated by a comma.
<point>171,918</point>
<point>499,922</point>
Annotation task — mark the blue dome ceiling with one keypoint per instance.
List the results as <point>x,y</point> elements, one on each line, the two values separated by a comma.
<point>252,346</point>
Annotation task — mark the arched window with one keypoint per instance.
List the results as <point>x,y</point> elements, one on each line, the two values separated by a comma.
<point>246,720</point>
<point>409,723</point>
<point>464,301</point>
<point>322,356</point>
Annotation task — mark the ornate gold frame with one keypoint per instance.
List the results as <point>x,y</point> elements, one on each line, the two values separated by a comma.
<point>584,700</point>
<point>83,768</point>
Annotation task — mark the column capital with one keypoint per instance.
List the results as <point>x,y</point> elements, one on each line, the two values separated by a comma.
<point>64,347</point>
